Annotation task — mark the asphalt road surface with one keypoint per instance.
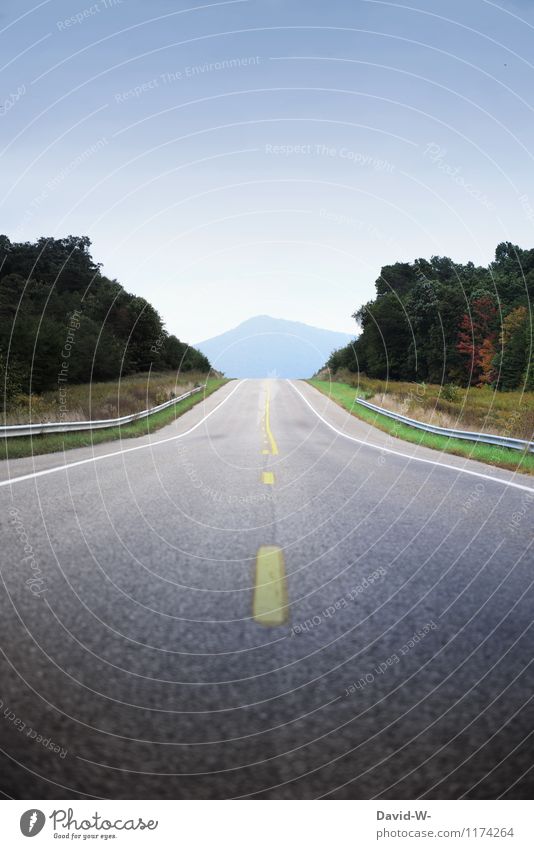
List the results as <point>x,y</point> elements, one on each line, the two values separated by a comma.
<point>268,599</point>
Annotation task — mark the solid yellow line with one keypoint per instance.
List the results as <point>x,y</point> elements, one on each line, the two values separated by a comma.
<point>272,441</point>
<point>267,477</point>
<point>270,604</point>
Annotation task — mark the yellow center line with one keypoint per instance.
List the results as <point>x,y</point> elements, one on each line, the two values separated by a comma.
<point>272,441</point>
<point>270,604</point>
<point>267,477</point>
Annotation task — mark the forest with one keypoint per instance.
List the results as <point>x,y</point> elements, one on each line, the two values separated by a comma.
<point>443,322</point>
<point>62,319</point>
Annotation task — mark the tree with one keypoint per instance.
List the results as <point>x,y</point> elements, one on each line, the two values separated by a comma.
<point>487,355</point>
<point>424,356</point>
<point>344,358</point>
<point>418,327</point>
<point>398,278</point>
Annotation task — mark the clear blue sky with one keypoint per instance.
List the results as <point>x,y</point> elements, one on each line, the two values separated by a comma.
<point>267,156</point>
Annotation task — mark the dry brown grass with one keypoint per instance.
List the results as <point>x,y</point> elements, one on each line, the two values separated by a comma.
<point>476,408</point>
<point>105,400</point>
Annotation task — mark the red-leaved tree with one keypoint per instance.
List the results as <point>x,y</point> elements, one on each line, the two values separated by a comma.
<point>477,338</point>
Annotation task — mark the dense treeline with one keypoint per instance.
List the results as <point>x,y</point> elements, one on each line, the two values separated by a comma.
<point>62,319</point>
<point>442,322</point>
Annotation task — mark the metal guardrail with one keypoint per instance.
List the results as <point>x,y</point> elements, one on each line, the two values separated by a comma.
<point>37,428</point>
<point>489,438</point>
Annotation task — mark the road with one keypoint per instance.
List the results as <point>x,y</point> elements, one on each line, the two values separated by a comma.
<point>266,599</point>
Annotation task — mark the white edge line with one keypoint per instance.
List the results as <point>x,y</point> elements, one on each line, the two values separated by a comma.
<point>458,469</point>
<point>97,458</point>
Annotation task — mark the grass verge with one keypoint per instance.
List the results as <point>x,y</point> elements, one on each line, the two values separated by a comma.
<point>505,458</point>
<point>27,446</point>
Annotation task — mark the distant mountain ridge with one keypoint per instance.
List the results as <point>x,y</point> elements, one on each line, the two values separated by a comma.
<point>263,346</point>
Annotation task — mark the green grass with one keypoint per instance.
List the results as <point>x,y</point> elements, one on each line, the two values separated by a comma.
<point>505,458</point>
<point>479,408</point>
<point>26,446</point>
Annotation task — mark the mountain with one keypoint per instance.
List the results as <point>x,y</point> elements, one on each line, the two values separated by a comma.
<point>272,347</point>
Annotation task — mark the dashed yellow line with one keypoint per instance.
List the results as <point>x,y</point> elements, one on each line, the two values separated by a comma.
<point>267,477</point>
<point>270,604</point>
<point>272,441</point>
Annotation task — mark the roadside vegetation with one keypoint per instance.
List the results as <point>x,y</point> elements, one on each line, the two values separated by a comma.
<point>76,346</point>
<point>402,398</point>
<point>102,399</point>
<point>26,446</point>
<point>63,322</point>
<point>476,408</point>
<point>448,344</point>
<point>448,323</point>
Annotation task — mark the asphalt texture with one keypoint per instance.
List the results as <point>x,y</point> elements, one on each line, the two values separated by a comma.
<point>132,665</point>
